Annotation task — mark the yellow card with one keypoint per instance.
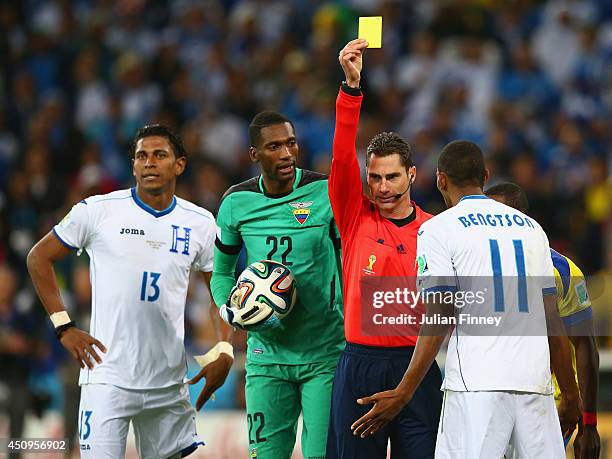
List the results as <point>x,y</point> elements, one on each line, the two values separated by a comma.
<point>370,28</point>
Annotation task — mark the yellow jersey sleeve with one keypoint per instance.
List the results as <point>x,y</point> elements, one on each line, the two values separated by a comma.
<point>573,299</point>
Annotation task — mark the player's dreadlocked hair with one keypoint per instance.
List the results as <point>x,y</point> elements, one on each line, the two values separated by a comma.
<point>161,131</point>
<point>262,120</point>
<point>389,143</point>
<point>512,194</point>
<point>463,162</point>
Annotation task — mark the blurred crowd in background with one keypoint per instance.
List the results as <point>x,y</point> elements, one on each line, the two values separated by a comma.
<point>529,81</point>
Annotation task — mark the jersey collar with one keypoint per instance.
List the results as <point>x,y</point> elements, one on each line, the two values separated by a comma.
<point>474,196</point>
<point>151,210</point>
<point>296,181</point>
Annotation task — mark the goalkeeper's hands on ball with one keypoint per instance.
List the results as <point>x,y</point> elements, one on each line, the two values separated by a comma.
<point>255,316</point>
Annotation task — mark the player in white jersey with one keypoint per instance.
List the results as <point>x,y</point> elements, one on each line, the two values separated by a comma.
<point>142,244</point>
<point>498,388</point>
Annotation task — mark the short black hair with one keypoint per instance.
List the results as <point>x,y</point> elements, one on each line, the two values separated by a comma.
<point>513,195</point>
<point>161,131</point>
<point>262,120</point>
<point>390,143</point>
<point>463,162</point>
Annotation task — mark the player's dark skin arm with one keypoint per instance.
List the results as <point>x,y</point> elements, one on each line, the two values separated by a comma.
<point>570,408</point>
<point>40,266</point>
<point>215,372</point>
<point>587,442</point>
<point>388,404</point>
<point>222,330</point>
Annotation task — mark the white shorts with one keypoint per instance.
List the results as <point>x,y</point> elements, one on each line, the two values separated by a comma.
<point>163,420</point>
<point>484,424</point>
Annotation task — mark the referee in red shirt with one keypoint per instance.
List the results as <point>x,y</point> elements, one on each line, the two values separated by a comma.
<point>378,240</point>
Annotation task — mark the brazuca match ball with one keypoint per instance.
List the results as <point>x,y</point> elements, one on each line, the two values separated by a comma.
<point>268,282</point>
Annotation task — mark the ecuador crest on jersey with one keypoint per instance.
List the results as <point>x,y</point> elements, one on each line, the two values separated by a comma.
<point>301,210</point>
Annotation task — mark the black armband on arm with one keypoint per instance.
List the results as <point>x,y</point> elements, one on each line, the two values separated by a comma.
<point>227,249</point>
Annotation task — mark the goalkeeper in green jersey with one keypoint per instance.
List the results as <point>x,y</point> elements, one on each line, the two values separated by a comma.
<point>284,215</point>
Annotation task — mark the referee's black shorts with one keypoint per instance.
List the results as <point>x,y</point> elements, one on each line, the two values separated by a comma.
<point>365,370</point>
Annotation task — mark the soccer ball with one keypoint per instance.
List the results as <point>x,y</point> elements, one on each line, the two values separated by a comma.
<point>268,282</point>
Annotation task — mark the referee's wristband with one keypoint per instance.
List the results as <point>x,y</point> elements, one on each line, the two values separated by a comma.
<point>59,331</point>
<point>349,90</point>
<point>589,419</point>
